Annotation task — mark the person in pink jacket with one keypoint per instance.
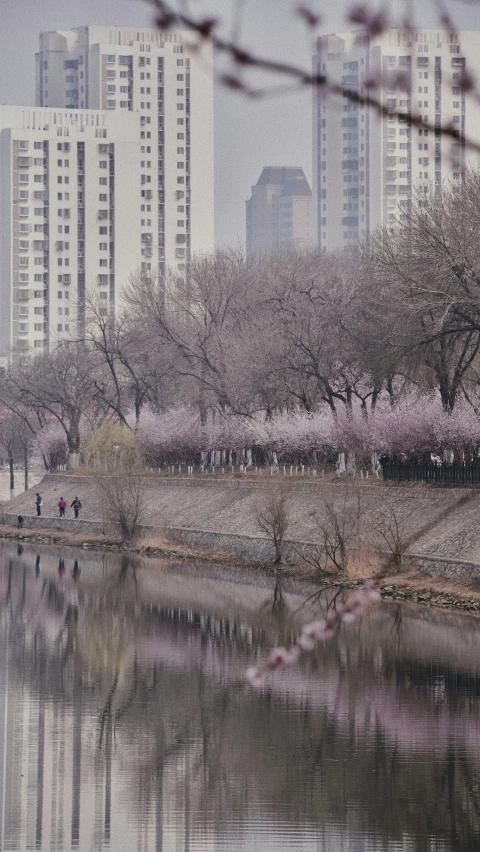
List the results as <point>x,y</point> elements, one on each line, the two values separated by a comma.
<point>62,505</point>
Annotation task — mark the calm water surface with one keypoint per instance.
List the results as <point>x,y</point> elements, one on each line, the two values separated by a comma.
<point>125,722</point>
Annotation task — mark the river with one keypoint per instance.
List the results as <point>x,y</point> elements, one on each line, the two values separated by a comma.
<point>126,723</point>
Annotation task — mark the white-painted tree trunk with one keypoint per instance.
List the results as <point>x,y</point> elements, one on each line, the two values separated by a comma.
<point>351,464</point>
<point>73,461</point>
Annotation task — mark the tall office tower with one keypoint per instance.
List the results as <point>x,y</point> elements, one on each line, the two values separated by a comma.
<point>125,69</point>
<point>280,211</point>
<point>67,180</point>
<point>367,166</point>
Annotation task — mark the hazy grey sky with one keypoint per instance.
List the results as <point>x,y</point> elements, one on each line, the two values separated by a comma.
<point>249,134</point>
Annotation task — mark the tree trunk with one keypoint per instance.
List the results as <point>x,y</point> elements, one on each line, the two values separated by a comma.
<point>351,464</point>
<point>12,476</point>
<point>25,466</point>
<point>73,460</point>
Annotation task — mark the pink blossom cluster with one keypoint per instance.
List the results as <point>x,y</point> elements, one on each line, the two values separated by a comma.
<point>313,633</point>
<point>416,424</point>
<point>51,443</point>
<point>413,425</point>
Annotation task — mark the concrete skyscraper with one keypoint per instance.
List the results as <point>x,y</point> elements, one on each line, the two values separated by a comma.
<point>125,69</point>
<point>280,211</point>
<point>366,167</point>
<point>67,181</point>
<point>111,173</point>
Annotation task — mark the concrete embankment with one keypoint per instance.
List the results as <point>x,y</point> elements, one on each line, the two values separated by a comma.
<point>440,524</point>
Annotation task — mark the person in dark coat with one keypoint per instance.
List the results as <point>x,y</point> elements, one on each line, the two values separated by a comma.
<point>76,506</point>
<point>38,503</point>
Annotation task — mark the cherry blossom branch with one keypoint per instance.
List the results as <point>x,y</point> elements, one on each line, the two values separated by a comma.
<point>313,633</point>
<point>373,23</point>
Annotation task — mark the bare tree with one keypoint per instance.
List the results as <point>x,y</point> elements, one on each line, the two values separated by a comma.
<point>60,385</point>
<point>123,493</point>
<point>10,445</point>
<point>426,274</point>
<point>272,518</point>
<point>338,525</point>
<point>393,525</point>
<point>134,370</point>
<point>204,322</point>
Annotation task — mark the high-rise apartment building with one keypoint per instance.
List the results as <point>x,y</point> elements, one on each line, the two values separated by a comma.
<point>280,211</point>
<point>366,166</point>
<point>67,182</point>
<point>123,70</point>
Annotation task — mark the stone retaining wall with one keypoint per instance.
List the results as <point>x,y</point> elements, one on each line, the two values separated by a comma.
<point>253,548</point>
<point>63,524</point>
<point>445,567</point>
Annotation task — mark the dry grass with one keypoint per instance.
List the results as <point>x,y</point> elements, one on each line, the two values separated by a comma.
<point>364,565</point>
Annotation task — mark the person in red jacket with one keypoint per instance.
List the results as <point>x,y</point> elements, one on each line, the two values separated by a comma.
<point>62,505</point>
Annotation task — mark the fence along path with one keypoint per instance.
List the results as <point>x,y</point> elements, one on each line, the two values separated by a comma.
<point>448,473</point>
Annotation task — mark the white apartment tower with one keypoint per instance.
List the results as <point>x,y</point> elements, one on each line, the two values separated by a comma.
<point>67,179</point>
<point>367,166</point>
<point>146,71</point>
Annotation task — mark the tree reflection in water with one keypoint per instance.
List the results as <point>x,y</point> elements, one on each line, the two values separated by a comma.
<point>136,708</point>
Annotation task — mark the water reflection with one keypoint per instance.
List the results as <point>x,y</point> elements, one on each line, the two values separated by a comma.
<point>125,723</point>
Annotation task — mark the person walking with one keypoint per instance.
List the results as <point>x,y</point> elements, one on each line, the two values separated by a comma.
<point>76,506</point>
<point>38,503</point>
<point>20,522</point>
<point>62,505</point>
